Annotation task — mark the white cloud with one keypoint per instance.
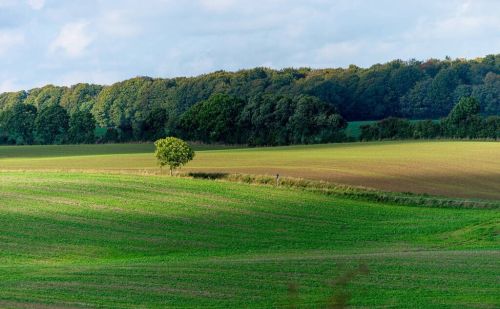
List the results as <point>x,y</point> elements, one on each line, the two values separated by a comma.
<point>119,23</point>
<point>469,19</point>
<point>36,4</point>
<point>217,5</point>
<point>173,38</point>
<point>10,39</point>
<point>335,52</point>
<point>6,3</point>
<point>8,85</point>
<point>73,39</point>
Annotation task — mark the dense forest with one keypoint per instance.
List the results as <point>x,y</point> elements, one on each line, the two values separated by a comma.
<point>464,121</point>
<point>260,106</point>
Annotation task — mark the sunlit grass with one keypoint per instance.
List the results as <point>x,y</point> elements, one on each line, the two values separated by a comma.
<point>450,168</point>
<point>97,240</point>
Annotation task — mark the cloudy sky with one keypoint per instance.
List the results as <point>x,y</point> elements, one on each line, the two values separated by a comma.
<point>102,41</point>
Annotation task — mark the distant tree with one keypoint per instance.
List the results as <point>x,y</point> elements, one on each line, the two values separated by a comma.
<point>110,136</point>
<point>4,133</point>
<point>51,125</point>
<point>125,132</point>
<point>120,104</point>
<point>282,120</point>
<point>46,96</point>
<point>80,97</point>
<point>464,120</point>
<point>369,132</point>
<point>426,129</point>
<point>491,127</point>
<point>9,99</point>
<point>173,152</point>
<point>417,103</point>
<point>395,128</point>
<point>213,120</point>
<point>314,121</point>
<point>20,123</point>
<point>488,94</point>
<point>441,91</point>
<point>388,128</point>
<point>264,120</point>
<point>81,128</point>
<point>153,126</point>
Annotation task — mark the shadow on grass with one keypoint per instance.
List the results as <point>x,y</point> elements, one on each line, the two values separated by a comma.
<point>340,294</point>
<point>353,192</point>
<point>211,176</point>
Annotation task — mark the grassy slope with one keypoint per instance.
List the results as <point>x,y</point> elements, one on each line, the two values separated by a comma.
<point>124,240</point>
<point>458,169</point>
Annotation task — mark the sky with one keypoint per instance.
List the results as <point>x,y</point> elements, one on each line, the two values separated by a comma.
<point>65,42</point>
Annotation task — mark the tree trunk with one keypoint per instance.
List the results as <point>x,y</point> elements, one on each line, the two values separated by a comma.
<point>171,171</point>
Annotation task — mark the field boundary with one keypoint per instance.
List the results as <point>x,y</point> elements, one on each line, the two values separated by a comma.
<point>351,192</point>
<point>319,186</point>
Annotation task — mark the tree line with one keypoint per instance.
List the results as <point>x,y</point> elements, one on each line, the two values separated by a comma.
<point>272,105</point>
<point>265,120</point>
<point>23,124</point>
<point>463,122</point>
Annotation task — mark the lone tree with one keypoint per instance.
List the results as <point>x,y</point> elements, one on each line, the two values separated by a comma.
<point>173,152</point>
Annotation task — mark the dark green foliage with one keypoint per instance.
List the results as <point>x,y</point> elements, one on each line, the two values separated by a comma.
<point>153,126</point>
<point>4,133</point>
<point>395,128</point>
<point>81,128</point>
<point>279,120</point>
<point>264,120</point>
<point>111,136</point>
<point>491,127</point>
<point>416,103</point>
<point>488,94</point>
<point>412,89</point>
<point>46,96</point>
<point>369,132</point>
<point>125,132</point>
<point>124,103</point>
<point>464,120</point>
<point>389,128</point>
<point>213,120</point>
<point>407,89</point>
<point>20,122</point>
<point>426,129</point>
<point>80,97</point>
<point>314,121</point>
<point>51,125</point>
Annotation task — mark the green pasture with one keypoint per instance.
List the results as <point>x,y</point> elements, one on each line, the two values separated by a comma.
<point>108,240</point>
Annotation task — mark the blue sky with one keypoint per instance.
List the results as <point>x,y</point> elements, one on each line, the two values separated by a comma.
<point>64,42</point>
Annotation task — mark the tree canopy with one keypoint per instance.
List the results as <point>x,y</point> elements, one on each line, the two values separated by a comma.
<point>173,152</point>
<point>263,106</point>
<point>51,125</point>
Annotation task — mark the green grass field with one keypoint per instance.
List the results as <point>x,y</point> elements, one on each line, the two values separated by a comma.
<point>449,168</point>
<point>95,226</point>
<point>109,240</point>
